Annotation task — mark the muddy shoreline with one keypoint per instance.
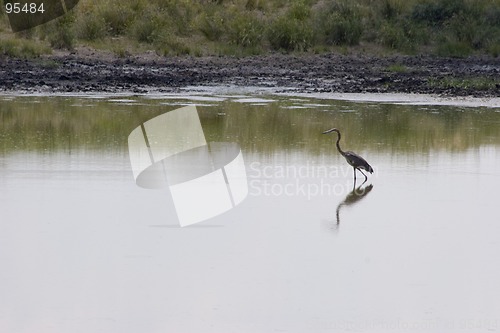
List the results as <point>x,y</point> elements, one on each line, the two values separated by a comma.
<point>90,72</point>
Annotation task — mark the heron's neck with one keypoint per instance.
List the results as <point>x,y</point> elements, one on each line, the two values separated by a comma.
<point>338,145</point>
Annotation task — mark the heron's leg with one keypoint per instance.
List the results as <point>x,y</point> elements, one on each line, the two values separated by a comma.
<point>354,173</point>
<point>363,183</point>
<point>366,178</point>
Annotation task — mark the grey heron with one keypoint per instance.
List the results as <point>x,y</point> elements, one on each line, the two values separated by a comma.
<point>356,161</point>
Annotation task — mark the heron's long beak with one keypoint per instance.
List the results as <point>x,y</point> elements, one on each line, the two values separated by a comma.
<point>329,131</point>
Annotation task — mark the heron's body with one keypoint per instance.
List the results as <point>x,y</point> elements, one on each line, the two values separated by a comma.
<point>354,160</point>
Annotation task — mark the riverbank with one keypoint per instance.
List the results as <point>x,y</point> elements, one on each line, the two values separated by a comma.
<point>90,71</point>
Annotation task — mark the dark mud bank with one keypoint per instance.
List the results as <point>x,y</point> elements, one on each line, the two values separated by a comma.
<point>74,73</point>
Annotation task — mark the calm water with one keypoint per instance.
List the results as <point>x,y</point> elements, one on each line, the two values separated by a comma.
<point>83,248</point>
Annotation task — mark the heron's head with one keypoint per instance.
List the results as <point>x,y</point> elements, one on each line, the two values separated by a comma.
<point>331,130</point>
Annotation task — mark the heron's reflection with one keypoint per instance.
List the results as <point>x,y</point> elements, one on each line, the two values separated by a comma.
<point>352,198</point>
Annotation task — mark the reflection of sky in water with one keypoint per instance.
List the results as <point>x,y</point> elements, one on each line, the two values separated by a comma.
<point>82,248</point>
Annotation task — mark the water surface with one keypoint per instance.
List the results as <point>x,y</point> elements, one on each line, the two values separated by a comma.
<point>415,248</point>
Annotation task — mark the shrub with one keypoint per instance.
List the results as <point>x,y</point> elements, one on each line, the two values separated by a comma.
<point>245,30</point>
<point>91,26</point>
<point>117,18</point>
<point>60,32</point>
<point>436,12</point>
<point>343,31</point>
<point>290,35</point>
<point>453,48</point>
<point>393,36</point>
<point>212,25</point>
<point>148,28</point>
<point>299,11</point>
<point>179,15</point>
<point>168,45</point>
<point>21,48</point>
<point>391,9</point>
<point>339,24</point>
<point>10,48</point>
<point>292,31</point>
<point>492,15</point>
<point>470,32</point>
<point>494,49</point>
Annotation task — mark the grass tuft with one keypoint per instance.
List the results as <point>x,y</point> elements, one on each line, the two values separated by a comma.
<point>397,68</point>
<point>22,48</point>
<point>483,83</point>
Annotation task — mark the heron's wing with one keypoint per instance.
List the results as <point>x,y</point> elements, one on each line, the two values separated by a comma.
<point>357,161</point>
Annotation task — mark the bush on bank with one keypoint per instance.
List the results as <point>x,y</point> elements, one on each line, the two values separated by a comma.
<point>205,27</point>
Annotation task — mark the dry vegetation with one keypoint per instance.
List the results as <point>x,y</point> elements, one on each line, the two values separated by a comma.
<point>456,28</point>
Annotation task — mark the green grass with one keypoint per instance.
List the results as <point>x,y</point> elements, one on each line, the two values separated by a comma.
<point>483,83</point>
<point>397,68</point>
<point>23,48</point>
<point>455,28</point>
<point>453,48</point>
